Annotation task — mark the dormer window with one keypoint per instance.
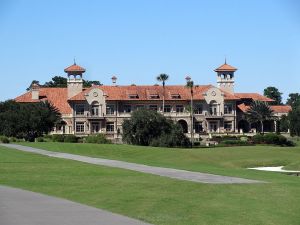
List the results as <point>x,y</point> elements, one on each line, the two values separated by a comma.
<point>133,96</point>
<point>175,96</point>
<point>154,96</point>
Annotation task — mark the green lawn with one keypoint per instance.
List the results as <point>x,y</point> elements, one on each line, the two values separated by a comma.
<point>160,200</point>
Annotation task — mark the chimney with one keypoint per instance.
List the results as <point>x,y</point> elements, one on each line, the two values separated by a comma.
<point>35,91</point>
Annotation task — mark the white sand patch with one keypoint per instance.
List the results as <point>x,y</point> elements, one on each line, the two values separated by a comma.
<point>274,169</point>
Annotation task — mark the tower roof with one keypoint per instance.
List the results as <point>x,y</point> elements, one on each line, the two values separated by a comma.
<point>74,69</point>
<point>226,68</point>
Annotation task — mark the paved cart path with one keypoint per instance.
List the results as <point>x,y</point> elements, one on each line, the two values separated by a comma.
<point>165,172</point>
<point>20,207</point>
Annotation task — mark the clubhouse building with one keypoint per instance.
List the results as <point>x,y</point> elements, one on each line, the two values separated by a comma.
<point>102,109</point>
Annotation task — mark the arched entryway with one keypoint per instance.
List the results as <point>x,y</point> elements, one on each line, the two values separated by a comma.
<point>184,126</point>
<point>244,126</point>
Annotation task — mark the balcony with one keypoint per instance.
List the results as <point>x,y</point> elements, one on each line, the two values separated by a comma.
<point>216,115</point>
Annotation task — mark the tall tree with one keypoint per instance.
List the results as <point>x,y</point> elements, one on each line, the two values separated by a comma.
<point>259,112</point>
<point>294,121</point>
<point>275,94</point>
<point>190,85</point>
<point>293,100</point>
<point>27,120</point>
<point>163,78</point>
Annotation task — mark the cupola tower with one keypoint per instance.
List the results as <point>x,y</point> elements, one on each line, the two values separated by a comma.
<point>225,77</point>
<point>75,81</point>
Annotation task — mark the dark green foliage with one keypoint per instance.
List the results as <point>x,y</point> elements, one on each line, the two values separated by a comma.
<point>147,127</point>
<point>294,100</point>
<point>284,124</point>
<point>59,81</point>
<point>27,120</point>
<point>4,139</point>
<point>272,139</point>
<point>275,94</point>
<point>97,139</point>
<point>294,121</point>
<point>259,112</point>
<point>70,138</point>
<point>258,139</point>
<point>40,139</point>
<point>234,143</point>
<point>58,138</point>
<point>174,139</point>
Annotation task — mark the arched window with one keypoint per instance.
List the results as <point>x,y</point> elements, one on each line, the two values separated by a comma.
<point>95,109</point>
<point>213,108</point>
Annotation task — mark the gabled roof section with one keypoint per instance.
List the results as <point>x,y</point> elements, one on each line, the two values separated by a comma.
<point>253,96</point>
<point>57,96</point>
<point>275,108</point>
<point>226,68</point>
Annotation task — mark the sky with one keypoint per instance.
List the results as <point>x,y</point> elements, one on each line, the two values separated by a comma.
<point>136,40</point>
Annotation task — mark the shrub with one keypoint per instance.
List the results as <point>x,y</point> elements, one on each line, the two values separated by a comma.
<point>58,138</point>
<point>97,139</point>
<point>271,138</point>
<point>258,139</point>
<point>13,139</point>
<point>70,138</point>
<point>39,139</point>
<point>244,138</point>
<point>4,139</point>
<point>235,142</point>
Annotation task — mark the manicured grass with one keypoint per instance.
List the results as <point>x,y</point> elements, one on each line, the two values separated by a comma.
<point>225,161</point>
<point>160,200</point>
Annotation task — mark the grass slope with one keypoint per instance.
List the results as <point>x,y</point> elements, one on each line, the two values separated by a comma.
<point>160,200</point>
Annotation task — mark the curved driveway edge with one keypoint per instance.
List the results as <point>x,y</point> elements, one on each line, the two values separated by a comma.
<point>161,171</point>
<point>20,207</point>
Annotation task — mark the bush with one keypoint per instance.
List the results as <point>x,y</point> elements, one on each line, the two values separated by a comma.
<point>58,138</point>
<point>235,142</point>
<point>97,139</point>
<point>13,139</point>
<point>258,139</point>
<point>244,138</point>
<point>271,138</point>
<point>4,139</point>
<point>70,138</point>
<point>39,139</point>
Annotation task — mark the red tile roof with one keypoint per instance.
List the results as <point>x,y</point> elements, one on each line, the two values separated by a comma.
<point>226,68</point>
<point>143,92</point>
<point>275,108</point>
<point>74,68</point>
<point>253,96</point>
<point>281,108</point>
<point>57,96</point>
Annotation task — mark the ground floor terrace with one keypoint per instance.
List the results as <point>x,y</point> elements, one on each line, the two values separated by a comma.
<point>112,126</point>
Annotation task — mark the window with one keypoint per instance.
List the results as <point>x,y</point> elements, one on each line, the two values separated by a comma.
<point>80,109</point>
<point>110,109</point>
<point>167,108</point>
<point>198,109</point>
<point>110,127</point>
<point>198,127</point>
<point>133,96</point>
<point>179,108</point>
<point>153,107</point>
<point>127,108</point>
<point>79,127</point>
<point>175,96</point>
<point>154,96</point>
<point>95,110</point>
<point>228,109</point>
<point>137,107</point>
<point>228,126</point>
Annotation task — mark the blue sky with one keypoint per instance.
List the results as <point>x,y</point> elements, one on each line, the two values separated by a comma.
<point>138,39</point>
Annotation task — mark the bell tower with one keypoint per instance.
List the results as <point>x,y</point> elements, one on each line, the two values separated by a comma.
<point>75,81</point>
<point>225,77</point>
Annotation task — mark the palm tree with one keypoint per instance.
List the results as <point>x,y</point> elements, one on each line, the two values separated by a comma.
<point>190,84</point>
<point>259,112</point>
<point>162,78</point>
